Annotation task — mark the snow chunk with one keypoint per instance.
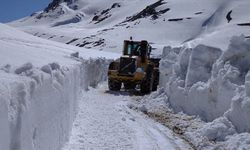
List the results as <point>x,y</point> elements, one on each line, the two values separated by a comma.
<point>46,69</point>
<point>218,129</point>
<point>6,68</point>
<point>238,141</point>
<point>76,55</point>
<point>239,113</point>
<point>155,103</point>
<point>24,68</point>
<point>200,65</point>
<point>238,54</point>
<point>55,66</point>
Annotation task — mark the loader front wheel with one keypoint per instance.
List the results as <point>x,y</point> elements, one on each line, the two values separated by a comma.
<point>129,86</point>
<point>156,80</point>
<point>114,85</point>
<point>147,84</point>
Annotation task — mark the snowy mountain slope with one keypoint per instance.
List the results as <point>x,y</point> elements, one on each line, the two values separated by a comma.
<point>40,84</point>
<point>105,24</point>
<point>18,48</point>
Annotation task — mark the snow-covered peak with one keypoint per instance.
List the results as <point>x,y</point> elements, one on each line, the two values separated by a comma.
<point>95,23</point>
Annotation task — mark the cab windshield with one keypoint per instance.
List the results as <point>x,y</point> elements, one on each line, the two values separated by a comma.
<point>133,49</point>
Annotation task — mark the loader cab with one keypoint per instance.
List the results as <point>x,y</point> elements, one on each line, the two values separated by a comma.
<point>137,48</point>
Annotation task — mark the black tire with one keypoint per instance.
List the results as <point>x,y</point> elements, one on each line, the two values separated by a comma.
<point>114,65</point>
<point>114,85</point>
<point>156,80</point>
<point>129,86</point>
<point>147,83</point>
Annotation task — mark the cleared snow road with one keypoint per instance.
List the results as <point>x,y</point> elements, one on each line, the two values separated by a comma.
<point>104,122</point>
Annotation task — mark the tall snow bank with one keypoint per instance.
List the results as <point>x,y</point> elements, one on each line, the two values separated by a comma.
<point>4,127</point>
<point>95,71</point>
<point>209,82</point>
<point>38,106</point>
<point>40,83</point>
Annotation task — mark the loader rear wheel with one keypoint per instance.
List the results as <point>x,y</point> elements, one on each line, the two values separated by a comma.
<point>147,84</point>
<point>129,86</point>
<point>114,85</point>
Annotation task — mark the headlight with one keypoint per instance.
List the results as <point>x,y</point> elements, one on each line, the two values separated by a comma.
<point>139,70</point>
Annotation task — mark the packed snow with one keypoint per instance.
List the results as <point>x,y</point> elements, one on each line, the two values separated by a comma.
<point>105,121</point>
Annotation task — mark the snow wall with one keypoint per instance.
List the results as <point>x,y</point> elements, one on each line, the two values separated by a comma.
<point>209,82</point>
<point>38,105</point>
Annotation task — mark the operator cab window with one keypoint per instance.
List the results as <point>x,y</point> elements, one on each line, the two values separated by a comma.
<point>133,49</point>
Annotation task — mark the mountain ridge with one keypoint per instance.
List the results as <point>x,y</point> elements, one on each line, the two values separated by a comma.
<point>94,24</point>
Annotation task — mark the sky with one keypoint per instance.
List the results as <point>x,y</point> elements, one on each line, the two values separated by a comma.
<point>15,9</point>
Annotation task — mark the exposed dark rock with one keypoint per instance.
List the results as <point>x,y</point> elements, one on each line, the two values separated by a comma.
<point>198,13</point>
<point>154,16</point>
<point>149,11</point>
<point>164,11</point>
<point>55,3</point>
<point>120,24</point>
<point>98,43</point>
<point>103,18</point>
<point>95,18</point>
<point>243,24</point>
<point>73,40</point>
<point>52,37</point>
<point>90,42</point>
<point>229,18</point>
<point>84,44</point>
<point>176,19</point>
<point>104,30</point>
<point>115,5</point>
<point>99,17</point>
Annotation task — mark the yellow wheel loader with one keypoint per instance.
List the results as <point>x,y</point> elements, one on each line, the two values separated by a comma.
<point>134,67</point>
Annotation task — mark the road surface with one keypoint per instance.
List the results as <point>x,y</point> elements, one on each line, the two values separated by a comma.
<point>104,122</point>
